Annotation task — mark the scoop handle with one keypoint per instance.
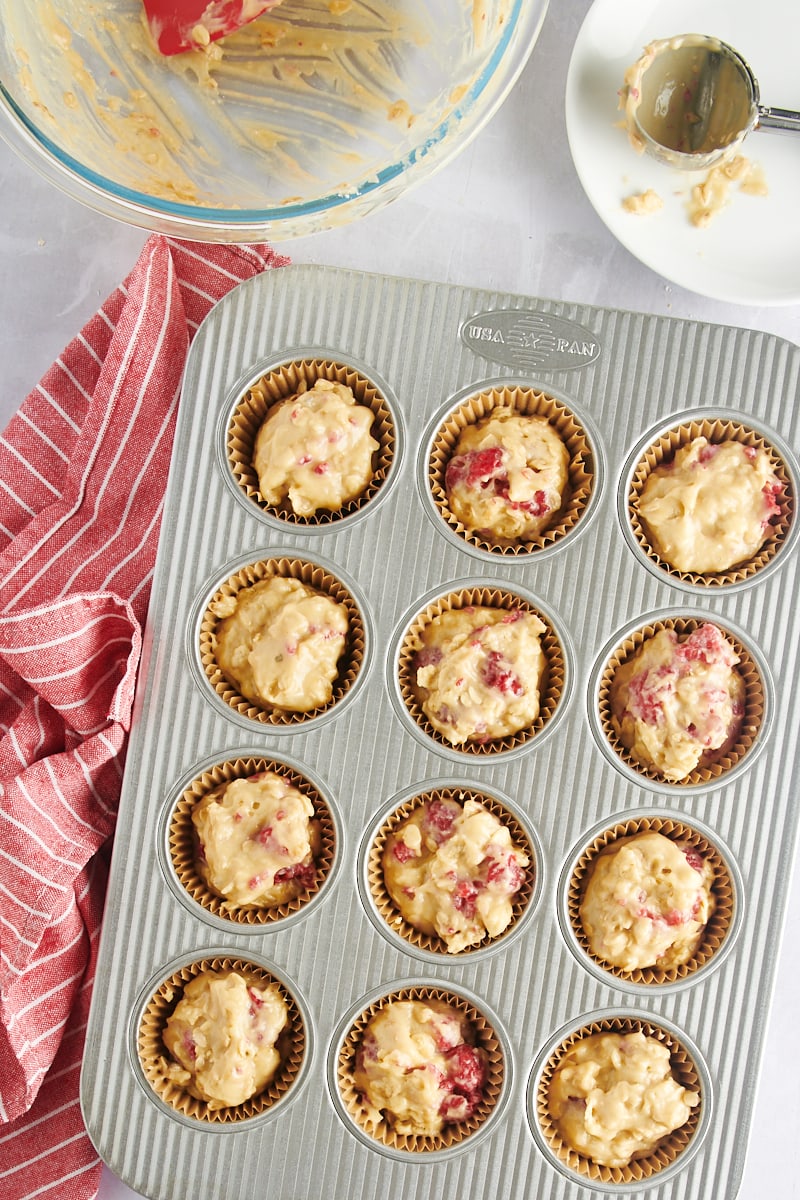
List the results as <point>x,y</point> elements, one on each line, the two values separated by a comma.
<point>778,118</point>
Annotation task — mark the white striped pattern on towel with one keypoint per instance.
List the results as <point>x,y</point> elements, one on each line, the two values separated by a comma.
<point>83,468</point>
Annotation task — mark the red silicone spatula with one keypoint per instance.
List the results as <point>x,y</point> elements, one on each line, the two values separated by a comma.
<point>180,25</point>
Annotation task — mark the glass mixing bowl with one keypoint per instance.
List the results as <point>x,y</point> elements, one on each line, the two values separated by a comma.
<point>311,115</point>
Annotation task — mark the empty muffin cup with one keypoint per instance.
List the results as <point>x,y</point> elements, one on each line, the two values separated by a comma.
<point>473,1072</point>
<point>342,654</point>
<point>557,1124</point>
<point>490,897</point>
<point>716,740</point>
<point>643,944</point>
<point>523,502</point>
<point>710,502</point>
<point>293,888</point>
<point>329,467</point>
<point>520,687</point>
<point>173,1084</point>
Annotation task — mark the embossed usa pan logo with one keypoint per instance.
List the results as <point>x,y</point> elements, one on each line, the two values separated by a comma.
<point>518,338</point>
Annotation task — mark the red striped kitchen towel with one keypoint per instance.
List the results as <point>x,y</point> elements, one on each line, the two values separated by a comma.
<point>83,468</point>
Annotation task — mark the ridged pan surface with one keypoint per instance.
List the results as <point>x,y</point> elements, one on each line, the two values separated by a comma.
<point>428,348</point>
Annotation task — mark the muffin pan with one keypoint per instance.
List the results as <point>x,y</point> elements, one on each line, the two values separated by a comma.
<point>427,358</point>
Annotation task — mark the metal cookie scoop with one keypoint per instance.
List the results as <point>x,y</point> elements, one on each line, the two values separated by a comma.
<point>690,100</point>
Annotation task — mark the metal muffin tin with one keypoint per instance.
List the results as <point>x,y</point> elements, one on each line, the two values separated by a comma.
<point>428,345</point>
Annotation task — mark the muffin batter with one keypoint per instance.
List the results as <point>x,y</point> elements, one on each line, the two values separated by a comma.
<point>453,872</point>
<point>507,477</point>
<point>479,671</point>
<point>279,642</point>
<point>315,449</point>
<point>223,1035</point>
<point>256,840</point>
<point>647,902</point>
<point>613,1097</point>
<point>417,1069</point>
<point>676,702</point>
<point>711,506</point>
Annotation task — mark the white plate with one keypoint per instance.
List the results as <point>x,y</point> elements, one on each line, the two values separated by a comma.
<point>750,253</point>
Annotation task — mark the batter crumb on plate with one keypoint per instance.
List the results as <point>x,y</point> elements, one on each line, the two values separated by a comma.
<point>643,203</point>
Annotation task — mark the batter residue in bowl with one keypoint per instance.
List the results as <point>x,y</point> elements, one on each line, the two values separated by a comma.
<point>295,106</point>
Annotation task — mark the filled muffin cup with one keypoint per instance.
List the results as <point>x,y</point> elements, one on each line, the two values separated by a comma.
<point>156,1062</point>
<point>185,853</point>
<point>718,929</point>
<point>553,683</point>
<point>670,1154</point>
<point>662,450</point>
<point>279,384</point>
<point>526,401</point>
<point>715,764</point>
<point>385,906</point>
<point>379,1130</point>
<point>314,575</point>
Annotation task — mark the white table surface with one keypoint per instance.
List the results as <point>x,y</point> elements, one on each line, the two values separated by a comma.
<point>508,214</point>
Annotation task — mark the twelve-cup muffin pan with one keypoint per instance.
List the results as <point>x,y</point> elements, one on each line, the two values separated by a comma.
<point>428,358</point>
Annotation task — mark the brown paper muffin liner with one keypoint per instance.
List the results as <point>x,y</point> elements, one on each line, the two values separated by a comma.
<point>155,1059</point>
<point>715,431</point>
<point>386,907</point>
<point>525,401</point>
<point>668,1150</point>
<point>552,683</point>
<point>728,756</point>
<point>313,576</point>
<point>453,1134</point>
<point>183,847</point>
<point>719,922</point>
<point>288,380</point>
